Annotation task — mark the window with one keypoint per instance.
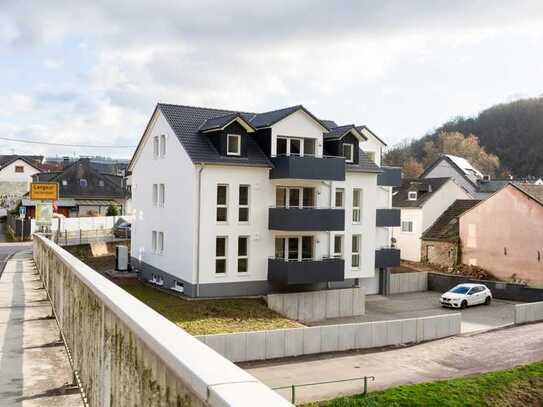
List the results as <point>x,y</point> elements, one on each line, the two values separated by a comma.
<point>309,146</point>
<point>155,194</point>
<point>154,241</point>
<point>407,226</point>
<point>19,168</point>
<point>371,155</point>
<point>158,242</point>
<point>281,146</point>
<point>348,152</point>
<point>163,145</point>
<point>243,211</point>
<point>101,183</point>
<point>294,197</point>
<point>220,255</point>
<point>294,248</point>
<point>161,195</point>
<point>295,146</point>
<point>307,248</point>
<point>356,205</point>
<point>339,198</point>
<point>355,261</point>
<point>222,203</point>
<point>280,247</point>
<point>308,199</point>
<point>338,246</point>
<point>243,254</point>
<point>412,195</point>
<point>155,147</point>
<point>178,286</point>
<point>233,144</point>
<point>83,183</point>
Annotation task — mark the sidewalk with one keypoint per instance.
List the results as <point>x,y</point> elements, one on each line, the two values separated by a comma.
<point>34,368</point>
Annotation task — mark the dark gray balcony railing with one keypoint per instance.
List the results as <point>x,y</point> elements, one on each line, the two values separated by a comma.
<point>306,219</point>
<point>388,217</point>
<point>387,257</point>
<point>390,177</point>
<point>325,168</point>
<point>307,271</point>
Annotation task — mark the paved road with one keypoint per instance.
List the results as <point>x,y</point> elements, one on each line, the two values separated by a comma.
<point>446,358</point>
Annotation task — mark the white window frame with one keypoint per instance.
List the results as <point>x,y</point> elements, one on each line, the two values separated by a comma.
<point>355,251</point>
<point>371,155</point>
<point>238,137</point>
<point>299,239</point>
<point>225,205</point>
<point>154,240</point>
<point>156,147</point>
<point>162,144</point>
<point>160,243</point>
<point>412,196</point>
<point>225,257</point>
<point>351,153</point>
<point>161,195</point>
<point>342,192</point>
<point>243,257</point>
<point>302,143</point>
<point>155,195</point>
<point>407,226</point>
<point>357,210</point>
<point>300,195</point>
<point>342,242</point>
<point>244,206</point>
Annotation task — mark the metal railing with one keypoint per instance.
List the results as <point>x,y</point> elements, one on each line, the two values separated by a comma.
<point>293,387</point>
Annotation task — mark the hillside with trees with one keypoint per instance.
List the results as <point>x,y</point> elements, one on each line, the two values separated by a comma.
<point>504,139</point>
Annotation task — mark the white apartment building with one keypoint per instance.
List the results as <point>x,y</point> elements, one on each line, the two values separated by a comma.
<point>233,203</point>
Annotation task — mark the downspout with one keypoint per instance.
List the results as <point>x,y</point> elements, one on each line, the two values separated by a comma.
<point>198,230</point>
<point>330,184</point>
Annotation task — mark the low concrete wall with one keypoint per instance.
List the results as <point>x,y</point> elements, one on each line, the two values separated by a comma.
<point>442,282</point>
<point>261,345</point>
<point>318,305</point>
<point>124,353</point>
<point>528,312</point>
<point>408,282</point>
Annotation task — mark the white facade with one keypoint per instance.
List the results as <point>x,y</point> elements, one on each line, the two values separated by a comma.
<point>187,221</point>
<point>423,217</point>
<point>15,181</point>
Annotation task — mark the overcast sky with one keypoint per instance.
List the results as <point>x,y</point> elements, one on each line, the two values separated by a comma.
<point>92,72</point>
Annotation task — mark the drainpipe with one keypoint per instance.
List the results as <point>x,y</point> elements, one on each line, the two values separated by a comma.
<point>329,184</point>
<point>200,170</point>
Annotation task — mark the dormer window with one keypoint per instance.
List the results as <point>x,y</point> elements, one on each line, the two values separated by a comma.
<point>348,153</point>
<point>412,195</point>
<point>233,144</point>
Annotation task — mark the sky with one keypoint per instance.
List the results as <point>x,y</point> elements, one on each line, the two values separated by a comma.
<point>91,72</point>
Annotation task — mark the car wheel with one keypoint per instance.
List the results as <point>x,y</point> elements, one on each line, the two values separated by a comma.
<point>488,300</point>
<point>464,304</point>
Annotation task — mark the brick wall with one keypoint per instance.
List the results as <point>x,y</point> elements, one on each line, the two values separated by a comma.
<point>437,252</point>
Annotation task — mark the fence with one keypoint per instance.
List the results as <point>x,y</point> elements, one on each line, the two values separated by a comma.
<point>124,353</point>
<point>408,282</point>
<point>530,312</point>
<point>504,291</point>
<point>262,345</point>
<point>318,305</point>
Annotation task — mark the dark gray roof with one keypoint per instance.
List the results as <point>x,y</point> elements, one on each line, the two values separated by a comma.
<point>425,188</point>
<point>329,123</point>
<point>365,164</point>
<point>186,122</point>
<point>219,122</point>
<point>491,186</point>
<point>33,160</point>
<point>533,191</point>
<point>445,227</point>
<point>268,119</point>
<point>339,131</point>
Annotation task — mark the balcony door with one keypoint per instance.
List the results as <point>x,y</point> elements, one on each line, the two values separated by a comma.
<point>294,248</point>
<point>294,197</point>
<point>289,146</point>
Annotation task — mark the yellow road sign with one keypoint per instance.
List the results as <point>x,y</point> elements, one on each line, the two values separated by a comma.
<point>44,191</point>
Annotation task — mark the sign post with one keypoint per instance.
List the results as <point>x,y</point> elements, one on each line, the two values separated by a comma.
<point>44,193</point>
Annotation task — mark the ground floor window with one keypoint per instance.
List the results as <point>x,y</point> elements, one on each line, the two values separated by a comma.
<point>355,261</point>
<point>220,255</point>
<point>243,254</point>
<point>294,248</point>
<point>407,226</point>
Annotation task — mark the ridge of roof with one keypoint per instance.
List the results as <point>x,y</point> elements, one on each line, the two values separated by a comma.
<point>363,126</point>
<point>454,164</point>
<point>400,198</point>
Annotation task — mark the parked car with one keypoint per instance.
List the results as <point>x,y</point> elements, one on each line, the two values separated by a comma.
<point>465,295</point>
<point>122,229</point>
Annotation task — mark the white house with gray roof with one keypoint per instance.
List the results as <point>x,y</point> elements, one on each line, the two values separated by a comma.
<point>231,203</point>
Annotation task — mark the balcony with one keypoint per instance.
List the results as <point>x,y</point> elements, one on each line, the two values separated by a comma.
<point>387,257</point>
<point>390,177</point>
<point>306,219</point>
<point>306,271</point>
<point>294,167</point>
<point>389,217</point>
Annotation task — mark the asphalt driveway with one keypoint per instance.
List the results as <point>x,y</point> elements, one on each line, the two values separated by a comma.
<point>422,304</point>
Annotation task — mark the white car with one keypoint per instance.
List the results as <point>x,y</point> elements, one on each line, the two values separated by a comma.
<point>465,295</point>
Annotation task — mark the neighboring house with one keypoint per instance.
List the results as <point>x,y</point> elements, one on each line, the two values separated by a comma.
<point>440,242</point>
<point>83,191</point>
<point>16,172</point>
<point>421,202</point>
<point>504,233</point>
<point>232,203</point>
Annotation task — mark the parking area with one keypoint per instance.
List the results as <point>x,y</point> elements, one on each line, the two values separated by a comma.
<point>478,318</point>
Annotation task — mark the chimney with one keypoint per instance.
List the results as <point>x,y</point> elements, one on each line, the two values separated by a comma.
<point>65,162</point>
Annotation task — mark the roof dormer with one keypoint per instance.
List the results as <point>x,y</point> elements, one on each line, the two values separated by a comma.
<point>228,134</point>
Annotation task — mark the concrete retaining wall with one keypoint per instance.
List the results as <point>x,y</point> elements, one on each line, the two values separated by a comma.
<point>125,353</point>
<point>408,282</point>
<point>442,282</point>
<point>530,312</point>
<point>261,345</point>
<point>318,305</point>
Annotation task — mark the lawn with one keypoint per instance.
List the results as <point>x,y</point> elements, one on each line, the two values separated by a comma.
<point>200,317</point>
<point>519,387</point>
